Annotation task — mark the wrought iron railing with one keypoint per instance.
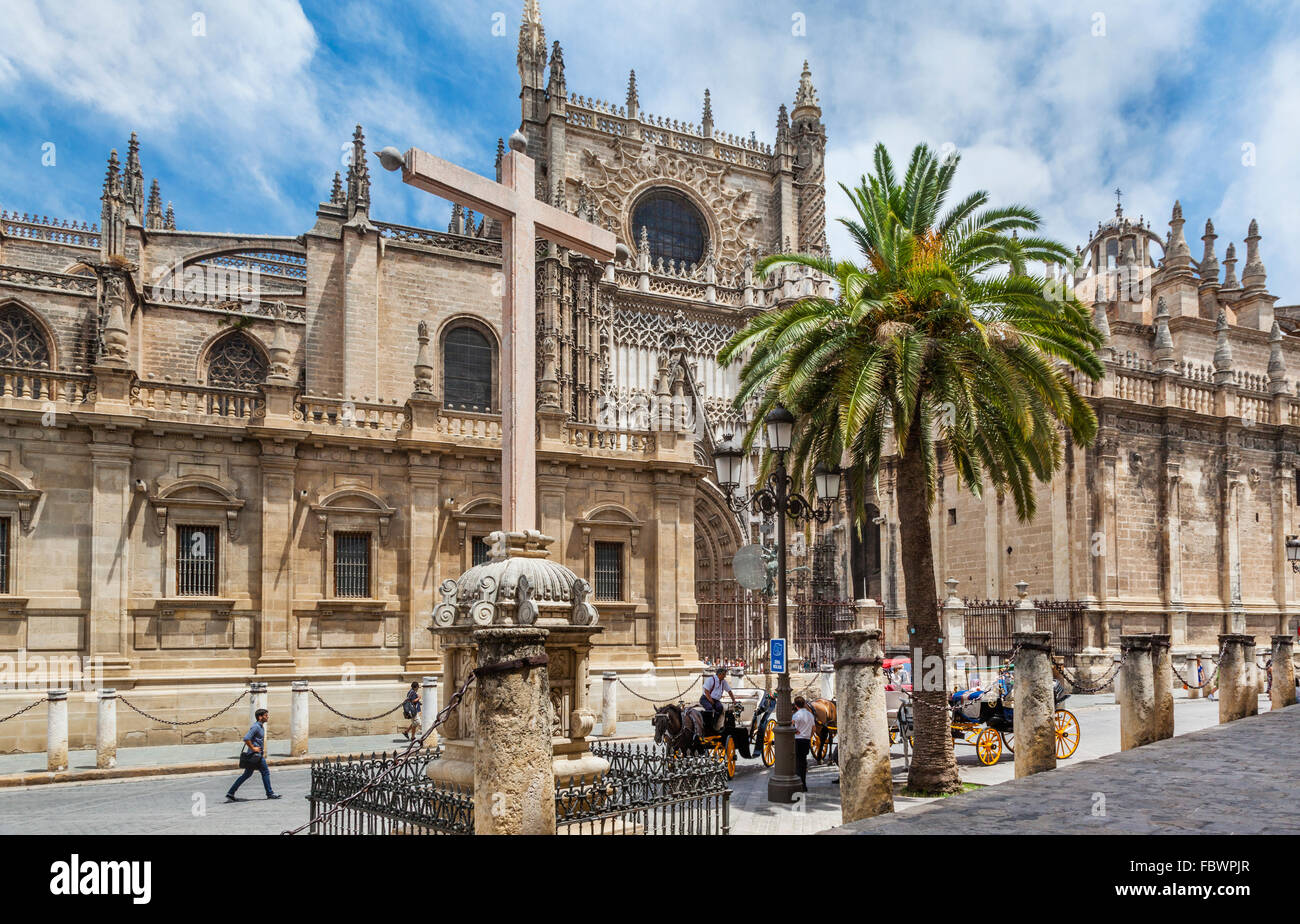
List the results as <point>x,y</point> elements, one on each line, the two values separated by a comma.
<point>731,627</point>
<point>404,802</point>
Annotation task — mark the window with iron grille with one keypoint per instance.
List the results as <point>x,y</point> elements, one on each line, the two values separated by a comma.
<point>479,551</point>
<point>609,571</point>
<point>467,370</point>
<point>196,561</point>
<point>4,555</point>
<point>352,564</point>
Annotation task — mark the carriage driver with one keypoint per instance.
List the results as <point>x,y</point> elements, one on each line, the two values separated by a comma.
<point>714,687</point>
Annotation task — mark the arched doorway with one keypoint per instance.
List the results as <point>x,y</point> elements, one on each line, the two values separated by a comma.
<point>731,625</point>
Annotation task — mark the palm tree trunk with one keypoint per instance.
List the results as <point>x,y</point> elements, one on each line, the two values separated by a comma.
<point>934,765</point>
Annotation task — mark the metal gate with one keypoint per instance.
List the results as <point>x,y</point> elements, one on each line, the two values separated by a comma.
<point>731,627</point>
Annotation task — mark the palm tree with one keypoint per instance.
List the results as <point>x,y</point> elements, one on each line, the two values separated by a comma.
<point>940,344</point>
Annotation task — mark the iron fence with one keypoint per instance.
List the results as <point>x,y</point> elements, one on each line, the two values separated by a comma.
<point>989,625</point>
<point>731,627</point>
<point>644,792</point>
<point>1064,619</point>
<point>814,621</point>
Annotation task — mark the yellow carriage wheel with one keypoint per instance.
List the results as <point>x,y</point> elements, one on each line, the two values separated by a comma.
<point>1009,741</point>
<point>1067,733</point>
<point>729,757</point>
<point>893,735</point>
<point>769,743</point>
<point>988,746</point>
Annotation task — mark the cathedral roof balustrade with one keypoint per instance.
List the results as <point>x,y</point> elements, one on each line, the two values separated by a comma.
<point>44,228</point>
<point>352,417</point>
<point>47,281</point>
<point>439,240</point>
<point>195,403</point>
<point>34,389</point>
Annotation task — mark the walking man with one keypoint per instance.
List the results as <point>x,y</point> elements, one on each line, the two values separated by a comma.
<point>803,721</point>
<point>253,757</point>
<point>411,711</point>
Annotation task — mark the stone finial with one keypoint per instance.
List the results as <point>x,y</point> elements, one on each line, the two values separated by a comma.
<point>782,122</point>
<point>1164,343</point>
<point>1222,350</point>
<point>633,102</point>
<point>116,333</point>
<point>706,122</point>
<point>1101,321</point>
<point>556,87</point>
<point>518,143</point>
<point>951,584</point>
<point>805,96</point>
<point>1022,589</point>
<point>1230,269</point>
<point>1253,275</point>
<point>532,43</point>
<point>643,250</point>
<point>113,176</point>
<point>423,368</point>
<point>1209,262</point>
<point>1276,361</point>
<point>1178,256</point>
<point>154,214</point>
<point>358,198</point>
<point>457,223</point>
<point>336,190</point>
<point>279,345</point>
<point>501,153</point>
<point>169,220</point>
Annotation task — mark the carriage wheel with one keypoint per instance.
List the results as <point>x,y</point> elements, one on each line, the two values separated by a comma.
<point>729,757</point>
<point>988,746</point>
<point>769,746</point>
<point>1067,733</point>
<point>893,735</point>
<point>1008,741</point>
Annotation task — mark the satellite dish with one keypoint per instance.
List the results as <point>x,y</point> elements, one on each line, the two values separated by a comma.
<point>749,567</point>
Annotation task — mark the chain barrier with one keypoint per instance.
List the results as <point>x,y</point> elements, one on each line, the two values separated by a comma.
<point>14,715</point>
<point>399,760</point>
<point>654,702</point>
<point>354,718</point>
<point>1209,681</point>
<point>153,718</point>
<point>1081,686</point>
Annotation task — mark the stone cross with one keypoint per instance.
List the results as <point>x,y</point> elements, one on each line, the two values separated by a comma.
<point>523,218</point>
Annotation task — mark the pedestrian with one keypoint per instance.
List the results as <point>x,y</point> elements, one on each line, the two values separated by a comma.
<point>411,710</point>
<point>803,721</point>
<point>711,700</point>
<point>253,757</point>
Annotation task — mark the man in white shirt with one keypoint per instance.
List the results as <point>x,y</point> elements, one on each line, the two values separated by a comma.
<point>803,721</point>
<point>714,687</point>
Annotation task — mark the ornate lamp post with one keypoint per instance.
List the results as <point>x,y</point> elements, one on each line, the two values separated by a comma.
<point>777,499</point>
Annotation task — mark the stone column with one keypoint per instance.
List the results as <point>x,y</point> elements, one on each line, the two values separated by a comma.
<point>429,711</point>
<point>56,730</point>
<point>1283,692</point>
<point>954,639</point>
<point>1238,695</point>
<point>1035,703</point>
<point>1136,694</point>
<point>110,514</point>
<point>278,467</point>
<point>1162,680</point>
<point>866,781</point>
<point>514,782</point>
<point>106,730</point>
<point>256,699</point>
<point>299,717</point>
<point>608,703</point>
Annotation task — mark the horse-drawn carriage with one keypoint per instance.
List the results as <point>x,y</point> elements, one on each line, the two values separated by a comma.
<point>986,720</point>
<point>691,730</point>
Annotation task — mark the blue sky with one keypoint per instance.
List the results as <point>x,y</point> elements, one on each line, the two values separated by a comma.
<point>1050,102</point>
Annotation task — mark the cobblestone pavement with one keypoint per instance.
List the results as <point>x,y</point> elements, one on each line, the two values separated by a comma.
<point>1237,778</point>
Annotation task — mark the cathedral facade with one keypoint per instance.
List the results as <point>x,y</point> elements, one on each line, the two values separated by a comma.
<point>244,456</point>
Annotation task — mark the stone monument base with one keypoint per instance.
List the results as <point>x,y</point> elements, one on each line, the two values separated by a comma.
<point>571,759</point>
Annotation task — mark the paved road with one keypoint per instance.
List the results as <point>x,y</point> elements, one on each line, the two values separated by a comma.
<point>1237,778</point>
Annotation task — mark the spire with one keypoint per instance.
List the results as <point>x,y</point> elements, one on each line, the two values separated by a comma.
<point>1230,269</point>
<point>336,190</point>
<point>782,123</point>
<point>154,217</point>
<point>643,250</point>
<point>532,46</point>
<point>1222,351</point>
<point>556,86</point>
<point>1209,262</point>
<point>169,222</point>
<point>423,368</point>
<point>358,199</point>
<point>457,223</point>
<point>706,121</point>
<point>1253,275</point>
<point>1179,257</point>
<point>1276,363</point>
<point>805,97</point>
<point>133,177</point>
<point>1163,348</point>
<point>633,102</point>
<point>113,178</point>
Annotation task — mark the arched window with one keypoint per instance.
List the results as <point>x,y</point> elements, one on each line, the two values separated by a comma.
<point>234,362</point>
<point>467,370</point>
<point>674,227</point>
<point>22,341</point>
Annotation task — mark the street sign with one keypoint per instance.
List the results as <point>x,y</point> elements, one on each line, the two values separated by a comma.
<point>749,568</point>
<point>776,655</point>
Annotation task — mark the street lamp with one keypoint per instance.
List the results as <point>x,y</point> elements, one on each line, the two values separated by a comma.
<point>777,499</point>
<point>1293,552</point>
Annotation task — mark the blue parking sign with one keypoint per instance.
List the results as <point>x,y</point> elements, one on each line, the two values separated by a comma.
<point>776,655</point>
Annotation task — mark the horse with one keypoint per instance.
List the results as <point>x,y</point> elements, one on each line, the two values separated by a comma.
<point>824,726</point>
<point>675,724</point>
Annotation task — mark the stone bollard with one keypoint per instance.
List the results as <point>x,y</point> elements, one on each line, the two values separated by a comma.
<point>1282,693</point>
<point>514,780</point>
<point>1238,695</point>
<point>56,730</point>
<point>299,717</point>
<point>866,781</point>
<point>256,699</point>
<point>429,711</point>
<point>1035,704</point>
<point>106,730</point>
<point>827,680</point>
<point>1136,693</point>
<point>1162,678</point>
<point>608,703</point>
<point>1192,671</point>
